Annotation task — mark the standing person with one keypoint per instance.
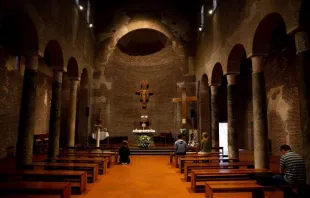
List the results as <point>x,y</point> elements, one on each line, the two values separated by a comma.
<point>292,169</point>
<point>180,146</point>
<point>124,153</point>
<point>205,144</point>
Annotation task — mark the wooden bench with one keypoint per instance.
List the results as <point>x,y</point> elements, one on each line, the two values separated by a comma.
<point>218,150</point>
<point>109,157</point>
<point>100,161</point>
<point>236,186</point>
<point>63,189</point>
<point>204,159</point>
<point>90,168</point>
<point>48,175</point>
<point>193,155</point>
<point>222,174</point>
<point>198,166</point>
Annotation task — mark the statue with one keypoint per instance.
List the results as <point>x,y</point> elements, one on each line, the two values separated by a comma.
<point>99,121</point>
<point>144,93</point>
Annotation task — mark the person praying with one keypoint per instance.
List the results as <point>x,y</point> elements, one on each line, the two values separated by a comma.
<point>124,153</point>
<point>180,146</point>
<point>205,144</point>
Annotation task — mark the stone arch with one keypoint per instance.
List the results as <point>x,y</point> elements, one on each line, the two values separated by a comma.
<point>82,122</point>
<point>18,33</point>
<point>304,18</point>
<point>73,68</point>
<point>53,54</point>
<point>217,73</point>
<point>264,32</point>
<point>18,37</point>
<point>234,58</point>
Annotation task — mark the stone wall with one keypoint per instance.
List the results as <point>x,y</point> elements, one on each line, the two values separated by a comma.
<point>53,20</point>
<point>123,75</point>
<point>236,23</point>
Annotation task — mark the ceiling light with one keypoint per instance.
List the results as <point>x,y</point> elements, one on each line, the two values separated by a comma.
<point>91,25</point>
<point>200,29</point>
<point>81,7</point>
<point>210,11</point>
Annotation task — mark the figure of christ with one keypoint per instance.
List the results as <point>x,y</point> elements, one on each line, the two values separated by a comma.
<point>144,93</point>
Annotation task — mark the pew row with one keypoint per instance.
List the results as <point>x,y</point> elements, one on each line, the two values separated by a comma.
<point>91,169</point>
<point>77,178</point>
<point>236,186</point>
<point>222,174</point>
<point>63,189</point>
<point>202,166</point>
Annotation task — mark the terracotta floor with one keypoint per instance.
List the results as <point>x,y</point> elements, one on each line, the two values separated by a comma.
<point>147,177</point>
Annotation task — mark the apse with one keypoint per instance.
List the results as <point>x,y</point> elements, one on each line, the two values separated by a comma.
<point>142,42</point>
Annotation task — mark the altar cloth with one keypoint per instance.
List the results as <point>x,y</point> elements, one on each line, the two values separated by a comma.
<point>143,131</point>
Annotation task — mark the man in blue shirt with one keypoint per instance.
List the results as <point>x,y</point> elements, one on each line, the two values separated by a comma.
<point>180,146</point>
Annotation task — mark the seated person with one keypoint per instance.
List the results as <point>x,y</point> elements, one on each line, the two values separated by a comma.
<point>292,169</point>
<point>205,144</point>
<point>124,153</point>
<point>180,146</point>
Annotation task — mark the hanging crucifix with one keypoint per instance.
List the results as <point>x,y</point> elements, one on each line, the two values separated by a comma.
<point>184,99</point>
<point>144,93</point>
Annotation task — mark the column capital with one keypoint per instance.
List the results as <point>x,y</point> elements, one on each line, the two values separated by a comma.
<point>302,41</point>
<point>231,78</point>
<point>59,68</point>
<point>74,78</point>
<point>258,63</point>
<point>214,89</point>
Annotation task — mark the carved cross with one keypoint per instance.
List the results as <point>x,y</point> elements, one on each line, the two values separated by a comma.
<point>184,99</point>
<point>144,93</point>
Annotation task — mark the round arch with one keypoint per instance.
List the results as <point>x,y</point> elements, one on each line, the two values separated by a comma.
<point>264,32</point>
<point>72,68</point>
<point>217,73</point>
<point>53,54</point>
<point>235,57</point>
<point>18,33</point>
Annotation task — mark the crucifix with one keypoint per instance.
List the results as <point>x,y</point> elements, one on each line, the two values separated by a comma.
<point>184,99</point>
<point>144,93</point>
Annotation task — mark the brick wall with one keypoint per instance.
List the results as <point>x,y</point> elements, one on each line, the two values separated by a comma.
<point>122,77</point>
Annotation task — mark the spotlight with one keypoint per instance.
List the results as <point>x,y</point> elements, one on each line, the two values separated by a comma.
<point>81,7</point>
<point>200,29</point>
<point>90,25</point>
<point>210,11</point>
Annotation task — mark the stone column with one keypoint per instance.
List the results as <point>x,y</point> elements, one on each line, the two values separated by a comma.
<point>303,70</point>
<point>74,82</point>
<point>233,148</point>
<point>24,146</point>
<point>54,126</point>
<point>261,157</point>
<point>215,116</point>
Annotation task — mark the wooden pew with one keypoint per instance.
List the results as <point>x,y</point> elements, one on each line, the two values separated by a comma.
<point>193,154</point>
<point>198,166</point>
<point>50,175</point>
<point>63,189</point>
<point>100,161</point>
<point>220,174</point>
<point>182,160</point>
<point>172,155</point>
<point>107,156</point>
<point>237,186</point>
<point>90,168</point>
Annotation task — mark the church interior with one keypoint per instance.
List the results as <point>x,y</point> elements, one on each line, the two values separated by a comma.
<point>80,79</point>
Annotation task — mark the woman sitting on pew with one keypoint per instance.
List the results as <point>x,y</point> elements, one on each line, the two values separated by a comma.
<point>124,153</point>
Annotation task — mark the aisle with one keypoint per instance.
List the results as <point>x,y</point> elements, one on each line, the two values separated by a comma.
<point>145,177</point>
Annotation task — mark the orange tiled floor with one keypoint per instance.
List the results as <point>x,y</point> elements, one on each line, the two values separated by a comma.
<point>146,177</point>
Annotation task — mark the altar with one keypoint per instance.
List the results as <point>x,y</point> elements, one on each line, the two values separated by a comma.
<point>144,137</point>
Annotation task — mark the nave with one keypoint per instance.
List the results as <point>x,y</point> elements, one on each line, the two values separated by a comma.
<point>150,177</point>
